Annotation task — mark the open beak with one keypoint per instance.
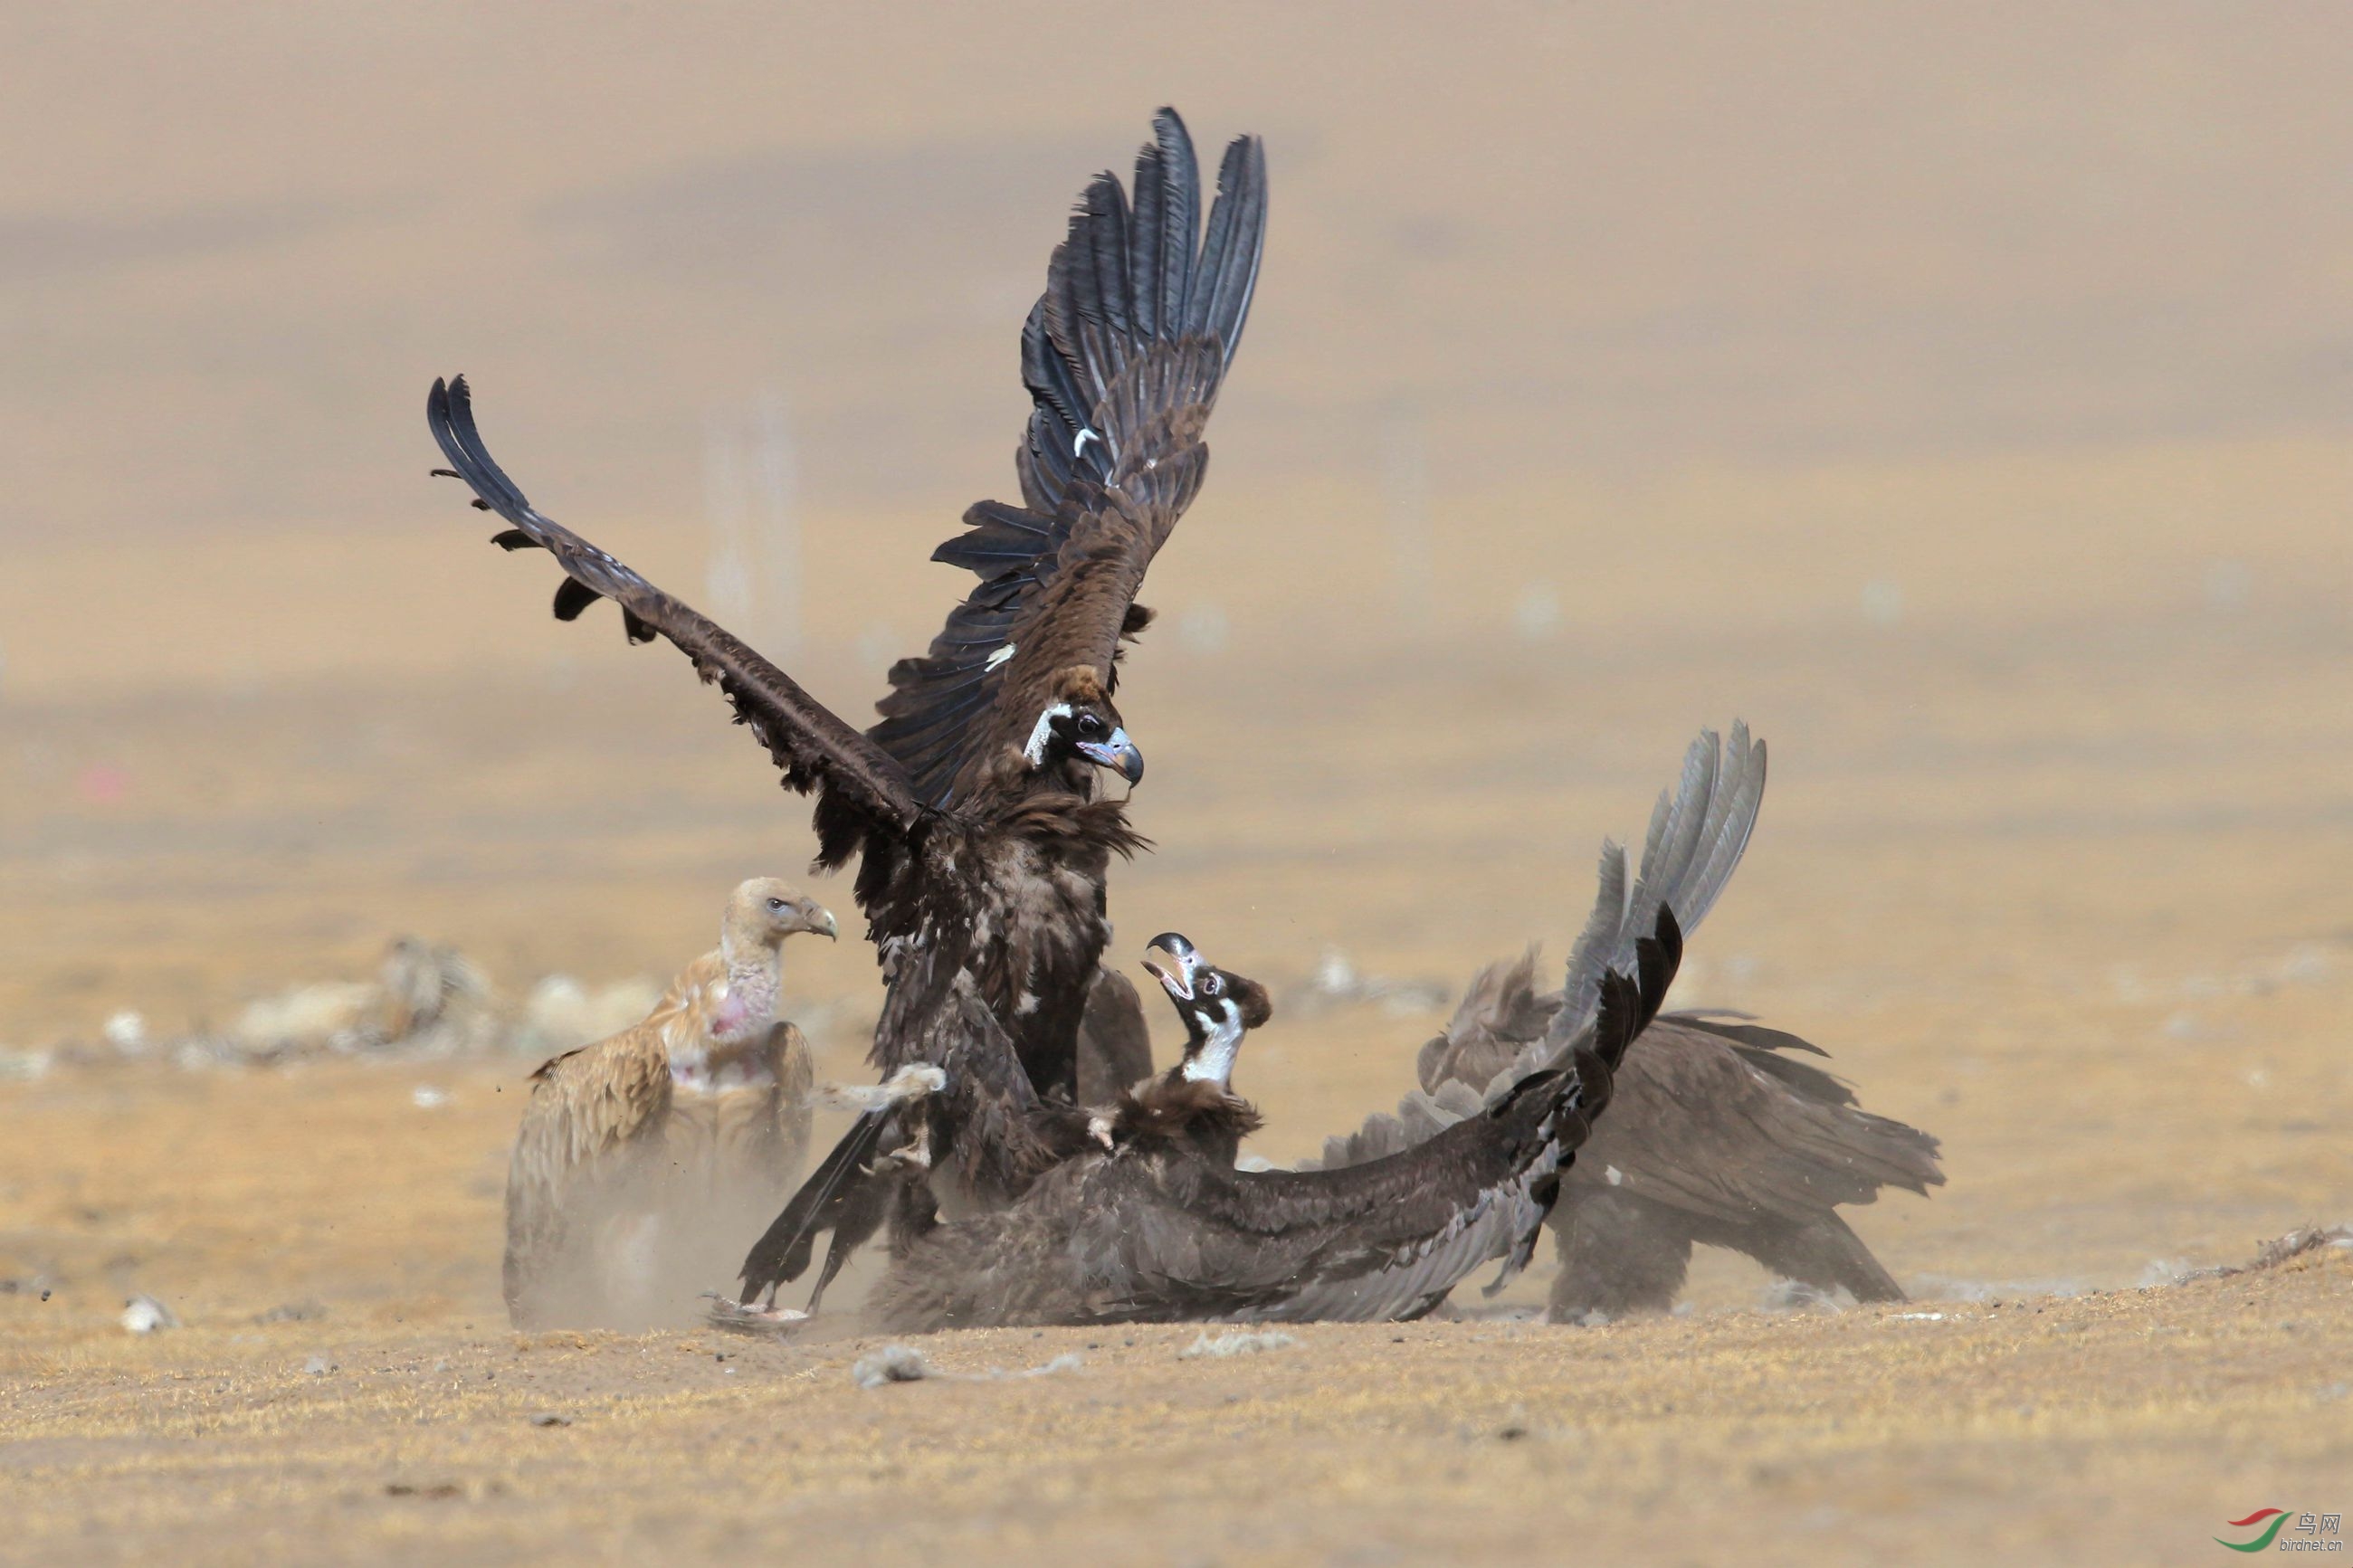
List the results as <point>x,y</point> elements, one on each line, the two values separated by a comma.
<point>1117,753</point>
<point>1172,960</point>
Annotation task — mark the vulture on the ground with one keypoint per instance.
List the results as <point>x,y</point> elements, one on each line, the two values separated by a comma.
<point>972,806</point>
<point>1719,1134</point>
<point>1156,1224</point>
<point>646,1161</point>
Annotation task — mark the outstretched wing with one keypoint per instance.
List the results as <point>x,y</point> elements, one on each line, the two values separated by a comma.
<point>1391,1238</point>
<point>1504,1031</point>
<point>1714,1121</point>
<point>1697,837</point>
<point>860,788</point>
<point>1124,356</point>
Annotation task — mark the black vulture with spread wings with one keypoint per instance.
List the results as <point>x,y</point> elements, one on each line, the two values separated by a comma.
<point>972,806</point>
<point>1720,1134</point>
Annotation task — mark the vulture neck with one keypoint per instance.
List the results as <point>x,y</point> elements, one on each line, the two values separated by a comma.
<point>754,992</point>
<point>1214,1061</point>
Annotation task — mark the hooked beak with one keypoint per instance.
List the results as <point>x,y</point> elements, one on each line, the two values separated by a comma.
<point>1172,960</point>
<point>820,919</point>
<point>1117,753</point>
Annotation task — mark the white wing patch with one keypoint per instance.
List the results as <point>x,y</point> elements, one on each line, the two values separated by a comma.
<point>1000,657</point>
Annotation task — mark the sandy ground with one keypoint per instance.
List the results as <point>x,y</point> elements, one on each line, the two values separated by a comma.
<point>2131,1425</point>
<point>1956,398</point>
<point>2093,937</point>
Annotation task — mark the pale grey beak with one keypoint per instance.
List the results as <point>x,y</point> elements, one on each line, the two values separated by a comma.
<point>1172,960</point>
<point>1117,753</point>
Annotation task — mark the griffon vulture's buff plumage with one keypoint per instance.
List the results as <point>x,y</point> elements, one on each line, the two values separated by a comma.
<point>647,1160</point>
<point>1719,1134</point>
<point>973,807</point>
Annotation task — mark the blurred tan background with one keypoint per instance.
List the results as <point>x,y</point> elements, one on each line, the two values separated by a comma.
<point>1957,394</point>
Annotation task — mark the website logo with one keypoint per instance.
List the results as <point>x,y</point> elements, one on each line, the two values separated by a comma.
<point>2310,1533</point>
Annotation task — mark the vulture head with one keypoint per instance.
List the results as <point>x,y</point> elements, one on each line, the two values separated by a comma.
<point>1079,724</point>
<point>764,911</point>
<point>1217,1006</point>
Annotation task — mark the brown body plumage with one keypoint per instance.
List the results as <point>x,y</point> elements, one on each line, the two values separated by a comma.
<point>646,1161</point>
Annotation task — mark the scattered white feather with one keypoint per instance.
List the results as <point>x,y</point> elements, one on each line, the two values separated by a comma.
<point>859,1098</point>
<point>146,1315</point>
<point>1244,1343</point>
<point>892,1364</point>
<point>425,1097</point>
<point>904,1363</point>
<point>126,1031</point>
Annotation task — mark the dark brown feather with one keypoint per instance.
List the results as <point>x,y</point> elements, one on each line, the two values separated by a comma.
<point>1123,356</point>
<point>1162,1227</point>
<point>815,750</point>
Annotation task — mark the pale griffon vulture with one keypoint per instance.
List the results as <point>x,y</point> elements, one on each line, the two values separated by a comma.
<point>647,1161</point>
